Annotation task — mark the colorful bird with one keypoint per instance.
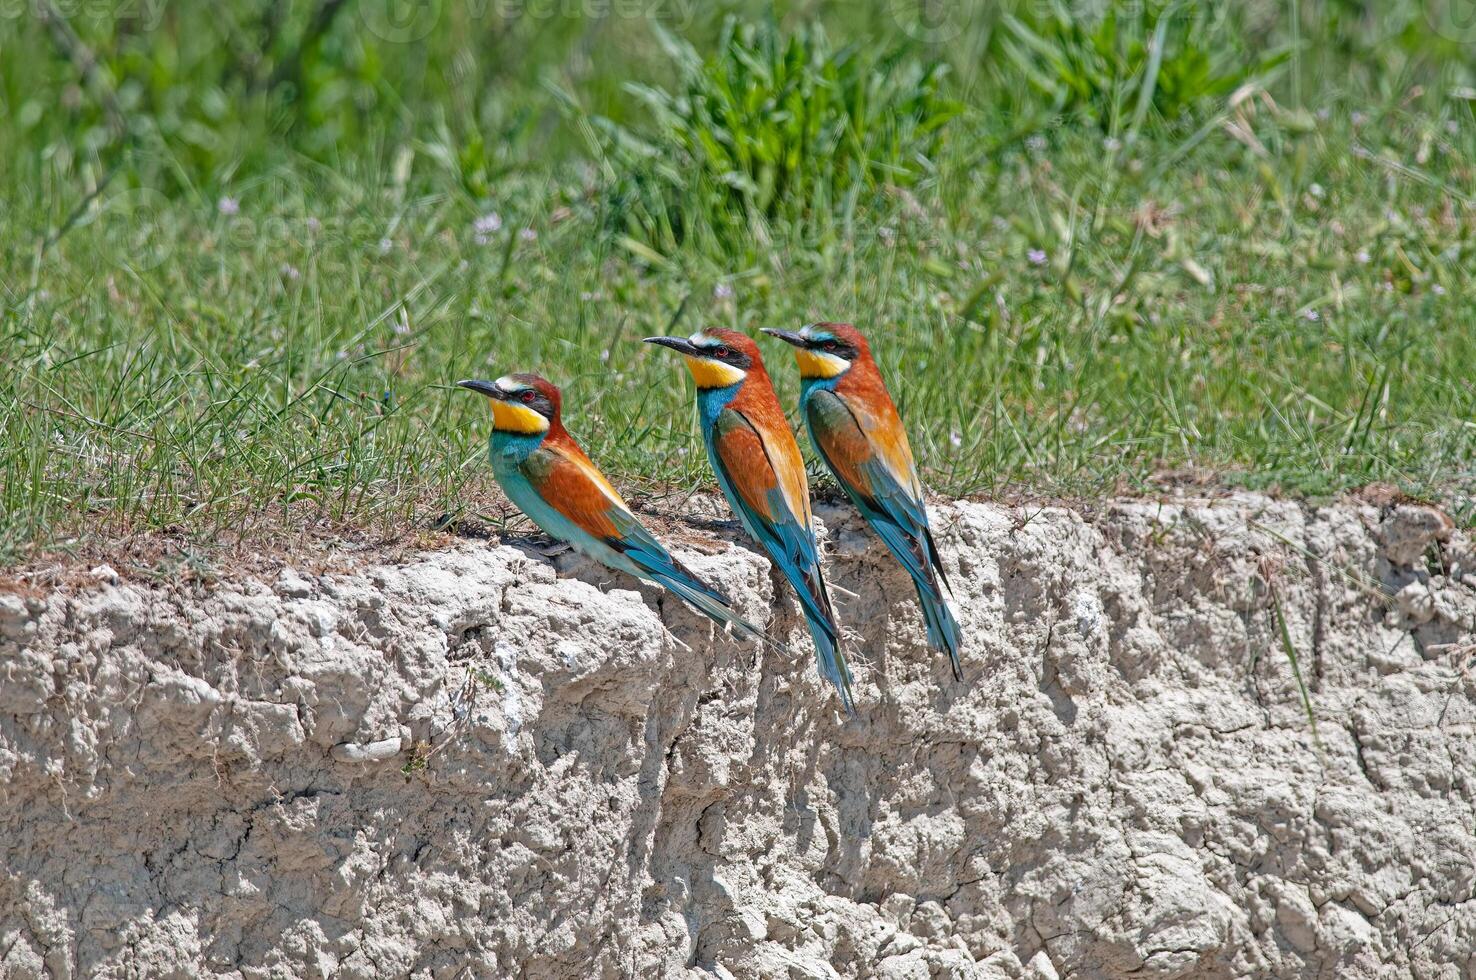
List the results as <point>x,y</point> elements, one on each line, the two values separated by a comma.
<point>544,472</point>
<point>762,474</point>
<point>857,431</point>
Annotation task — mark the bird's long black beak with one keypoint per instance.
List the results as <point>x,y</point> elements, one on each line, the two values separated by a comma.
<point>679,344</point>
<point>483,387</point>
<point>787,336</point>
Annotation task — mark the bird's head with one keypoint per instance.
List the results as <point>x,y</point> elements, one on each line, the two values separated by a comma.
<point>824,350</point>
<point>716,358</point>
<point>525,404</point>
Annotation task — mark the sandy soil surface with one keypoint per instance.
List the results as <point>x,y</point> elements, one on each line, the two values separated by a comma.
<point>482,762</point>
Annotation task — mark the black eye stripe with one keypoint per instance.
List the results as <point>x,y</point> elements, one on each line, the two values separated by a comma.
<point>729,355</point>
<point>536,400</point>
<point>837,347</point>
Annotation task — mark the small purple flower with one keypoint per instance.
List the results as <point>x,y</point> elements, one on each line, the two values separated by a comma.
<point>956,438</point>
<point>385,245</point>
<point>1036,256</point>
<point>1438,289</point>
<point>228,206</point>
<point>314,225</point>
<point>1312,315</point>
<point>486,226</point>
<point>722,290</point>
<point>488,223</point>
<point>528,236</point>
<point>1363,258</point>
<point>289,271</point>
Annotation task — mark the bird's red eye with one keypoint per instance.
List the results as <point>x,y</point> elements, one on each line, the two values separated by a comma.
<point>830,345</point>
<point>720,352</point>
<point>526,397</point>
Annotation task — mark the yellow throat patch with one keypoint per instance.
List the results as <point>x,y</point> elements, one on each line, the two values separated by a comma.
<point>511,417</point>
<point>713,374</point>
<point>818,364</point>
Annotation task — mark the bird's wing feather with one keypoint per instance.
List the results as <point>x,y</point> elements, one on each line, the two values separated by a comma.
<point>852,443</point>
<point>789,466</point>
<point>866,447</point>
<point>763,477</point>
<point>879,422</point>
<point>746,464</point>
<point>759,480</point>
<point>573,487</point>
<point>768,473</point>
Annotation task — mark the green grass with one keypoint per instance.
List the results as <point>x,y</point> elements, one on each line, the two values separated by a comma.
<point>1073,284</point>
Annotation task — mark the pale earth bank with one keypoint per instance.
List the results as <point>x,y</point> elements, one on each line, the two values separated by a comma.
<point>467,765</point>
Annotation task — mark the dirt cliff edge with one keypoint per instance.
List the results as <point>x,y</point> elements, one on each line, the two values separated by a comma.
<point>483,763</point>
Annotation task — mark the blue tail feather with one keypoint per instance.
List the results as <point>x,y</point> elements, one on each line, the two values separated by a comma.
<point>809,588</point>
<point>914,550</point>
<point>707,601</point>
<point>657,564</point>
<point>943,633</point>
<point>831,662</point>
<point>634,551</point>
<point>790,544</point>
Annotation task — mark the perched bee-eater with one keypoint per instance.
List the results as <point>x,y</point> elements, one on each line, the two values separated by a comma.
<point>857,431</point>
<point>762,473</point>
<point>544,472</point>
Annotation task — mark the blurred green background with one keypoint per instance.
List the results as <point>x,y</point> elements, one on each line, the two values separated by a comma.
<point>1100,247</point>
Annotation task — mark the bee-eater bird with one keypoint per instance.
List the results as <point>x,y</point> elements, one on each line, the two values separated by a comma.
<point>761,472</point>
<point>544,472</point>
<point>858,433</point>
